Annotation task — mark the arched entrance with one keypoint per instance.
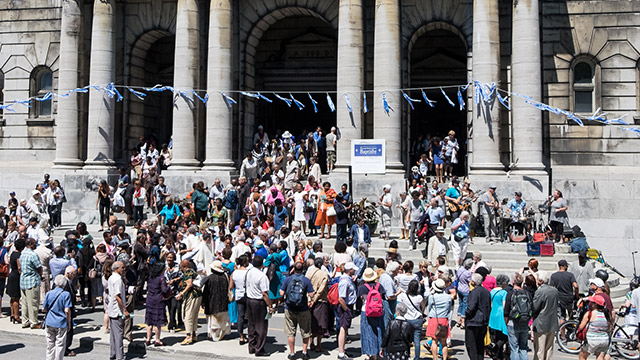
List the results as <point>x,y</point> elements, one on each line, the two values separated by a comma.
<point>438,57</point>
<point>152,59</point>
<point>297,54</point>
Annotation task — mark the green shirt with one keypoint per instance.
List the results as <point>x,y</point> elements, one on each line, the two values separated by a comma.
<point>193,291</point>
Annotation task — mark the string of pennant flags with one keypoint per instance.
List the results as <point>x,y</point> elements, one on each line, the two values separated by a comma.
<point>483,92</point>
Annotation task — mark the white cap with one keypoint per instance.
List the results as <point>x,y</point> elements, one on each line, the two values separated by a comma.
<point>387,187</point>
<point>350,266</point>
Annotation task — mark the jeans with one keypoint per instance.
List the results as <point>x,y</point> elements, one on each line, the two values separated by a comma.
<point>417,325</point>
<point>462,303</point>
<point>104,212</point>
<point>341,232</point>
<point>412,232</point>
<point>388,310</point>
<point>518,341</point>
<point>137,213</point>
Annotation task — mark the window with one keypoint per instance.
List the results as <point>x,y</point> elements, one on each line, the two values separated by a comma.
<point>583,87</point>
<point>41,84</point>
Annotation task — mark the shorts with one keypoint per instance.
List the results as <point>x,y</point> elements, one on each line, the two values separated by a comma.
<point>556,227</point>
<point>459,249</point>
<point>345,317</point>
<point>565,310</point>
<point>331,157</point>
<point>294,319</point>
<point>596,347</point>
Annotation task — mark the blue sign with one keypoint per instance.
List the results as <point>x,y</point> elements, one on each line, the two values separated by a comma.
<point>368,150</point>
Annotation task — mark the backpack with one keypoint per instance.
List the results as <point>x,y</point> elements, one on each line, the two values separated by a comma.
<point>373,308</point>
<point>231,200</point>
<point>333,295</point>
<point>520,307</point>
<point>295,294</point>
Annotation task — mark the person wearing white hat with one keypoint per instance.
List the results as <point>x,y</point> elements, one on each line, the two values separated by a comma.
<point>439,311</point>
<point>386,213</point>
<point>35,205</point>
<point>215,300</point>
<point>438,246</point>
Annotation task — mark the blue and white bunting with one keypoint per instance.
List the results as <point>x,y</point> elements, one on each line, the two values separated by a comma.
<point>186,96</point>
<point>504,101</point>
<point>348,102</point>
<point>446,97</point>
<point>138,94</point>
<point>8,107</point>
<point>203,99</point>
<point>46,97</point>
<point>26,103</point>
<point>251,95</point>
<point>228,100</point>
<point>314,103</point>
<point>385,104</point>
<point>410,100</point>
<point>460,100</point>
<point>364,102</point>
<point>426,99</point>
<point>332,106</point>
<point>264,98</point>
<point>298,103</point>
<point>288,101</point>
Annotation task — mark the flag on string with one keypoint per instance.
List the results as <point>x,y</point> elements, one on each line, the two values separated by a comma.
<point>426,99</point>
<point>228,100</point>
<point>364,101</point>
<point>330,102</point>
<point>264,98</point>
<point>477,90</point>
<point>385,104</point>
<point>26,103</point>
<point>203,99</point>
<point>348,101</point>
<point>504,101</point>
<point>288,101</point>
<point>298,103</point>
<point>460,100</point>
<point>138,94</point>
<point>46,97</point>
<point>251,95</point>
<point>314,103</point>
<point>8,107</point>
<point>410,100</point>
<point>446,97</point>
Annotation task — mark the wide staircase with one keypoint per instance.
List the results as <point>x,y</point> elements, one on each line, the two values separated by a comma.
<point>504,258</point>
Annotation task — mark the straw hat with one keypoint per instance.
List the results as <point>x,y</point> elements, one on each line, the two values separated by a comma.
<point>369,275</point>
<point>438,286</point>
<point>217,266</point>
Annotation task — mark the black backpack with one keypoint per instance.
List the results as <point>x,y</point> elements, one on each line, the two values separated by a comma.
<point>295,294</point>
<point>520,307</point>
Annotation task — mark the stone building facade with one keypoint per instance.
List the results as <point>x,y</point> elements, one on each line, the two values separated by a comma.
<point>577,55</point>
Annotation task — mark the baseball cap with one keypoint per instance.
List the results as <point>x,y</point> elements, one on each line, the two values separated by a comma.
<point>12,193</point>
<point>518,193</point>
<point>350,266</point>
<point>562,263</point>
<point>493,187</point>
<point>597,299</point>
<point>597,282</point>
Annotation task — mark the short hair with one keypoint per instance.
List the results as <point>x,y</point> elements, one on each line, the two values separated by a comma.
<point>340,247</point>
<point>69,270</point>
<point>517,279</point>
<point>298,267</point>
<point>477,279</point>
<point>60,281</point>
<point>477,254</point>
<point>59,251</point>
<point>468,263</point>
<point>30,242</point>
<point>464,214</point>
<point>116,265</point>
<point>502,279</point>
<point>380,263</point>
<point>392,266</point>
<point>226,253</point>
<point>257,261</point>
<point>401,309</point>
<point>318,262</point>
<point>441,260</point>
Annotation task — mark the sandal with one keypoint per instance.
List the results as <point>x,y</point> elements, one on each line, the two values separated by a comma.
<point>158,343</point>
<point>187,341</point>
<point>147,342</point>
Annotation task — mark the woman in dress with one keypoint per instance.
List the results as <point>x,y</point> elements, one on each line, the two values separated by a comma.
<point>385,202</point>
<point>558,215</point>
<point>438,310</point>
<point>280,258</point>
<point>97,290</point>
<point>229,267</point>
<point>325,201</point>
<point>155,315</point>
<point>435,153</point>
<point>103,202</point>
<point>173,276</point>
<point>598,322</point>
<point>192,299</point>
<point>497,326</point>
<point>413,301</point>
<point>451,153</point>
<point>13,281</point>
<point>314,199</point>
<point>215,300</point>
<point>300,199</point>
<point>371,328</point>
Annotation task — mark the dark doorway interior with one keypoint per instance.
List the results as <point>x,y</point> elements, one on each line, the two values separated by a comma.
<point>158,106</point>
<point>439,58</point>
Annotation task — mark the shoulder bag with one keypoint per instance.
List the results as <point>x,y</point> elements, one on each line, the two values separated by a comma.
<point>4,267</point>
<point>415,307</point>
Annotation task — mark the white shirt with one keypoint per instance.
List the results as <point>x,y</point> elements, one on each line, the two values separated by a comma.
<point>204,256</point>
<point>116,287</point>
<point>238,282</point>
<point>238,250</point>
<point>413,312</point>
<point>257,283</point>
<point>139,196</point>
<point>191,241</point>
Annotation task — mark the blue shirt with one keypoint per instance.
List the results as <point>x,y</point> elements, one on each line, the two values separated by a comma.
<point>517,207</point>
<point>386,281</point>
<point>170,214</point>
<point>262,252</point>
<point>56,316</point>
<point>279,217</point>
<point>452,193</point>
<point>29,264</point>
<point>308,289</point>
<point>462,230</point>
<point>58,265</point>
<point>347,290</point>
<point>435,215</point>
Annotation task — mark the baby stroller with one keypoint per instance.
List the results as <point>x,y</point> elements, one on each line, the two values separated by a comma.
<point>424,232</point>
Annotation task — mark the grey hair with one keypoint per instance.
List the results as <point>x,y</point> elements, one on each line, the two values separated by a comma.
<point>192,229</point>
<point>401,309</point>
<point>263,232</point>
<point>477,279</point>
<point>60,281</point>
<point>116,265</point>
<point>502,280</point>
<point>464,214</point>
<point>517,279</point>
<point>468,264</point>
<point>477,254</point>
<point>69,270</point>
<point>363,248</point>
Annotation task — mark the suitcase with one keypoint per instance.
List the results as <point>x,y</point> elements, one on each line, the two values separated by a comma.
<point>546,249</point>
<point>538,237</point>
<point>533,249</point>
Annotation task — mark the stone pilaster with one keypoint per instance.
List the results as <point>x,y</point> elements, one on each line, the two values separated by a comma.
<point>67,150</point>
<point>486,69</point>
<point>219,116</point>
<point>386,79</point>
<point>186,78</point>
<point>101,72</point>
<point>526,79</point>
<point>350,77</point>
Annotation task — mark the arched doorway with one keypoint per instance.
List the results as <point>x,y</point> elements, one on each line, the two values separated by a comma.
<point>152,59</point>
<point>297,54</point>
<point>438,57</point>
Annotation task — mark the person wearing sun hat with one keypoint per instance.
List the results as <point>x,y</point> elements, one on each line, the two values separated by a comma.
<point>215,300</point>
<point>438,310</point>
<point>372,329</point>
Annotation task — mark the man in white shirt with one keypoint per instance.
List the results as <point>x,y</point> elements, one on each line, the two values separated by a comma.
<point>203,256</point>
<point>239,249</point>
<point>291,175</point>
<point>216,191</point>
<point>277,175</point>
<point>117,311</point>
<point>258,304</point>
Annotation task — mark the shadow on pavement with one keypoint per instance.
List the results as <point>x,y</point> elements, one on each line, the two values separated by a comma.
<point>11,347</point>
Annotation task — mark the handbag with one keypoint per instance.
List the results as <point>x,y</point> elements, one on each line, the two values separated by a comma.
<point>230,293</point>
<point>457,238</point>
<point>331,211</point>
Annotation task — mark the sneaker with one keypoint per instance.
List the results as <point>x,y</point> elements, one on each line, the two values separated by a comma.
<point>291,356</point>
<point>343,357</point>
<point>305,356</point>
<point>410,248</point>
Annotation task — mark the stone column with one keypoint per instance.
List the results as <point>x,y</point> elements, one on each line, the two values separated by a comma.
<point>386,79</point>
<point>102,72</point>
<point>526,79</point>
<point>185,78</point>
<point>67,150</point>
<point>486,69</point>
<point>219,116</point>
<point>350,77</point>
